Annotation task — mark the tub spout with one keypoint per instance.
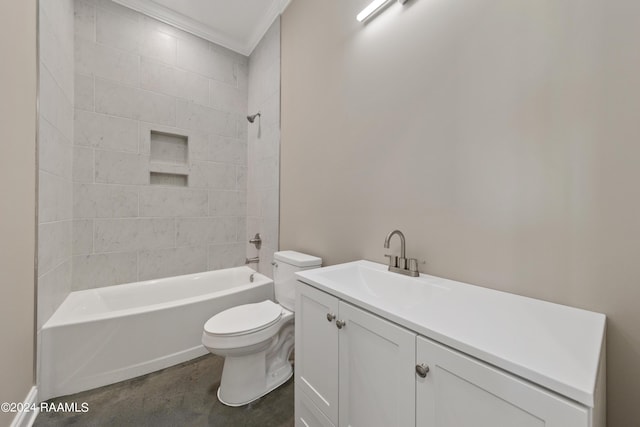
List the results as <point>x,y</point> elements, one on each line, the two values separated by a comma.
<point>255,260</point>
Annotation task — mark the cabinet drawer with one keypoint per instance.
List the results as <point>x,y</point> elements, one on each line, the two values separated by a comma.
<point>460,391</point>
<point>307,414</point>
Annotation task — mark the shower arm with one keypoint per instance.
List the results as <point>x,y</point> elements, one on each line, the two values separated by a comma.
<point>252,118</point>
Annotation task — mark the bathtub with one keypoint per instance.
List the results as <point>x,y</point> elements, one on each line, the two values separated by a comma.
<point>105,335</point>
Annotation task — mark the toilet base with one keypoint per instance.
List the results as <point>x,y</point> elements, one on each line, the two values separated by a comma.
<point>247,377</point>
<point>274,386</point>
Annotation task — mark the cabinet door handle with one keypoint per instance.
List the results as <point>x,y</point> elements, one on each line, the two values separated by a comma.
<point>331,317</point>
<point>340,324</point>
<point>422,370</point>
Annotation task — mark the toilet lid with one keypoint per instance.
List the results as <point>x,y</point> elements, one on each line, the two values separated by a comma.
<point>244,319</point>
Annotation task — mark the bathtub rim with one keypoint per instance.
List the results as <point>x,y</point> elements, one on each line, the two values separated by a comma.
<point>53,322</point>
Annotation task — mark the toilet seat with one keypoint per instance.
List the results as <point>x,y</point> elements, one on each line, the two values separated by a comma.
<point>244,319</point>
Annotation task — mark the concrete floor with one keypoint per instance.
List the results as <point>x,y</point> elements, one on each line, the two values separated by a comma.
<point>180,396</point>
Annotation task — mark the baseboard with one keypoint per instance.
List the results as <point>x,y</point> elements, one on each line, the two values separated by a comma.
<point>26,419</point>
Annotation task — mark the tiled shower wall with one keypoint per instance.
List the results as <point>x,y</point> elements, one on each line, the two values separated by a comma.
<point>264,147</point>
<point>55,134</point>
<point>134,75</point>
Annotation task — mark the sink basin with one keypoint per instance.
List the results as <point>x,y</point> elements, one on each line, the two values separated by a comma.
<point>372,282</point>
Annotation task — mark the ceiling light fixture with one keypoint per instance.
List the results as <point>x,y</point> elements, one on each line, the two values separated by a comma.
<point>374,7</point>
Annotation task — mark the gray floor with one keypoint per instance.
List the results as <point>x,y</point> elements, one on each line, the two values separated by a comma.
<point>183,395</point>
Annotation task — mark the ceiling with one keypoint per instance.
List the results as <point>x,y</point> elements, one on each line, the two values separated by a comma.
<point>235,24</point>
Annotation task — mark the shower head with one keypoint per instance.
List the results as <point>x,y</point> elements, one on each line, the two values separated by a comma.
<point>253,117</point>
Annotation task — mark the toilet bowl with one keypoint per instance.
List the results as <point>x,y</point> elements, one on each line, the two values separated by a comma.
<point>257,339</point>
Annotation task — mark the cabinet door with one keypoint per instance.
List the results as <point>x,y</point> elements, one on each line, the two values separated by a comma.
<point>316,359</point>
<point>460,391</point>
<point>377,363</point>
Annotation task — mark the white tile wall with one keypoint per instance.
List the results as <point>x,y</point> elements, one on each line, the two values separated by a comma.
<point>106,62</point>
<point>119,30</point>
<point>105,269</point>
<point>54,244</point>
<point>198,117</point>
<point>241,222</point>
<point>173,202</point>
<point>242,76</point>
<point>261,177</point>
<point>54,198</point>
<point>55,135</point>
<point>121,235</point>
<point>82,236</point>
<point>227,203</point>
<point>203,231</point>
<point>171,262</point>
<point>105,132</point>
<point>55,105</point>
<point>84,96</point>
<point>227,150</point>
<point>53,288</point>
<point>55,150</point>
<point>124,101</point>
<point>241,178</point>
<point>201,58</point>
<point>85,20</point>
<point>213,175</point>
<point>158,45</point>
<point>54,55</point>
<point>83,161</point>
<point>227,97</point>
<point>113,167</point>
<point>169,80</point>
<point>104,201</point>
<point>226,255</point>
<point>134,75</point>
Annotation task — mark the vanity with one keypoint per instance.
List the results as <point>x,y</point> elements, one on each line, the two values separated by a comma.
<point>376,348</point>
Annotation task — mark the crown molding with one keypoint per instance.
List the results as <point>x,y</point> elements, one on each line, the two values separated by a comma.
<point>276,9</point>
<point>182,22</point>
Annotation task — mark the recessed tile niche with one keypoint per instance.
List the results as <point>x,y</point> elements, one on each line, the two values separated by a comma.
<point>169,159</point>
<point>168,148</point>
<point>170,179</point>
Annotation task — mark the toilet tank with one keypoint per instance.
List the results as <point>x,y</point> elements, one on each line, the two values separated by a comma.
<point>285,264</point>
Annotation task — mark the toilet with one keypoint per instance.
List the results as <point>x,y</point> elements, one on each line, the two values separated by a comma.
<point>257,339</point>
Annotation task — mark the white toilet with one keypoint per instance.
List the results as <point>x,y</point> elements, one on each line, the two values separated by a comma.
<point>257,339</point>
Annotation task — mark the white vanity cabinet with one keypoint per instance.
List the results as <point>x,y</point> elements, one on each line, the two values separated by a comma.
<point>360,362</point>
<point>459,391</point>
<point>352,368</point>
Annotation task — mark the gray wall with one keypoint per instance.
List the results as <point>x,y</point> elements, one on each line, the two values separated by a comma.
<point>264,147</point>
<point>55,123</point>
<point>134,75</point>
<point>500,136</point>
<point>17,204</point>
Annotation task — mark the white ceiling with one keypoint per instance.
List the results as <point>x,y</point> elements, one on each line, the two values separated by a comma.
<point>235,24</point>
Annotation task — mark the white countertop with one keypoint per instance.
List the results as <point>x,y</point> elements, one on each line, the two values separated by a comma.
<point>555,346</point>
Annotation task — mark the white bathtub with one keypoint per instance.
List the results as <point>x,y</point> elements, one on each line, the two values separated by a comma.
<point>105,335</point>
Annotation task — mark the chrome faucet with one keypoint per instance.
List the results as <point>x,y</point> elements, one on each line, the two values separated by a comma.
<point>401,265</point>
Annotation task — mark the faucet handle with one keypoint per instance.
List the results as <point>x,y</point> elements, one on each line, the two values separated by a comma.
<point>412,264</point>
<point>393,260</point>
